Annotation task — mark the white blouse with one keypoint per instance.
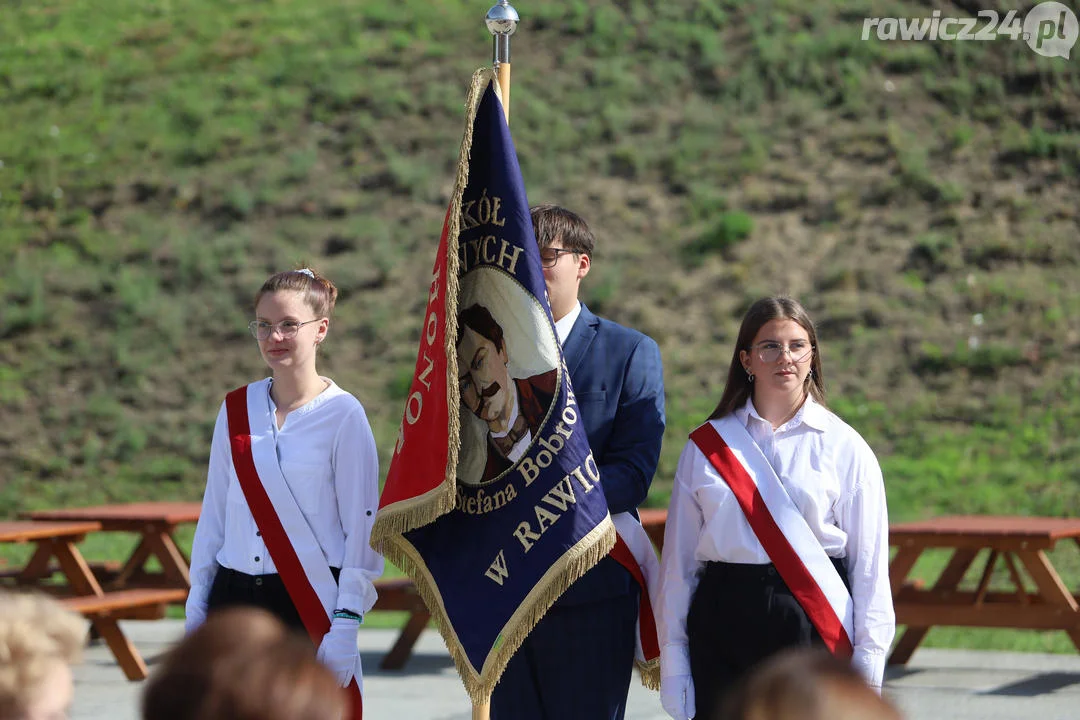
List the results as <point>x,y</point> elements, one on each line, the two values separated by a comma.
<point>328,456</point>
<point>833,477</point>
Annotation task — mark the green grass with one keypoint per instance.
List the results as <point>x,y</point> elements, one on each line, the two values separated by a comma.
<point>160,159</point>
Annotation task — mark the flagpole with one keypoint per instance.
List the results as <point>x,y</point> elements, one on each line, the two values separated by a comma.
<point>502,20</point>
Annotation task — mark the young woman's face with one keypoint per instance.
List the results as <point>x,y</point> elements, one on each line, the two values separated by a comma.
<point>779,359</point>
<point>295,330</point>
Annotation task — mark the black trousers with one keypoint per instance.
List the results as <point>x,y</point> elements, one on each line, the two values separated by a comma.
<point>739,616</point>
<point>576,664</point>
<point>232,589</point>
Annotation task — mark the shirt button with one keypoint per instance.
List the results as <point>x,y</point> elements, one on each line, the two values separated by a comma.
<point>258,582</point>
<point>258,534</point>
<point>256,558</point>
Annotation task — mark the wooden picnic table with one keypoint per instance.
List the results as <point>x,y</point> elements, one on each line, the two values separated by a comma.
<point>53,540</point>
<point>1015,542</point>
<point>155,522</point>
<point>400,594</point>
<point>83,593</point>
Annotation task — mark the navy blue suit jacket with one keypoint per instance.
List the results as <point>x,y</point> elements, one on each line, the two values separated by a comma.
<point>618,379</point>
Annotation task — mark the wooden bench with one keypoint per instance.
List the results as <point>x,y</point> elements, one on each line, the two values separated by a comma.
<point>103,611</point>
<point>400,594</point>
<point>102,570</point>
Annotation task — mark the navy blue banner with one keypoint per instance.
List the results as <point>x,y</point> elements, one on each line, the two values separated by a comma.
<point>530,514</point>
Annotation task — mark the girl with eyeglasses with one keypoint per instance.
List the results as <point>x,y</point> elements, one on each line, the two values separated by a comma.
<point>777,529</point>
<point>292,487</point>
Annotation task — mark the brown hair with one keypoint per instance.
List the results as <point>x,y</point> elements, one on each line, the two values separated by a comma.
<point>35,633</point>
<point>551,223</point>
<point>319,293</point>
<point>805,684</point>
<point>739,387</point>
<point>479,318</point>
<point>243,664</point>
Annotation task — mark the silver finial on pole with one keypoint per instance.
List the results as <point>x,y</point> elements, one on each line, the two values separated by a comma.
<point>502,20</point>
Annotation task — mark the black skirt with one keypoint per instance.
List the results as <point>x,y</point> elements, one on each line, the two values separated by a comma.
<point>232,588</point>
<point>739,616</point>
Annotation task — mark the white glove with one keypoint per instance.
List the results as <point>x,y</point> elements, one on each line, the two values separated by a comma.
<point>340,652</point>
<point>677,696</point>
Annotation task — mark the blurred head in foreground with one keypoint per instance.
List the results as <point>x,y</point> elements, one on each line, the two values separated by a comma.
<point>243,664</point>
<point>39,641</point>
<point>806,684</point>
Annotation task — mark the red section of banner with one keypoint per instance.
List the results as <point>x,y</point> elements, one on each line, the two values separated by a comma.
<point>420,455</point>
<point>787,561</point>
<point>650,643</point>
<point>288,565</point>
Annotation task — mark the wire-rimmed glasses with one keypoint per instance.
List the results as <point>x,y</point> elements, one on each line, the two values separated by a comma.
<point>262,330</point>
<point>770,351</point>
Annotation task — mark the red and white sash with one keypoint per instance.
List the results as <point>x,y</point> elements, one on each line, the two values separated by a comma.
<point>302,567</point>
<point>782,530</point>
<point>634,551</point>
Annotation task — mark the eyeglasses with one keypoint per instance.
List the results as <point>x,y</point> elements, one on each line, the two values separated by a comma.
<point>549,257</point>
<point>770,351</point>
<point>262,330</point>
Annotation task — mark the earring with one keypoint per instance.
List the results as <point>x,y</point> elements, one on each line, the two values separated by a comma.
<point>749,376</point>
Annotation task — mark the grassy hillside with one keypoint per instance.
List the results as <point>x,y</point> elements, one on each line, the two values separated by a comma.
<point>160,159</point>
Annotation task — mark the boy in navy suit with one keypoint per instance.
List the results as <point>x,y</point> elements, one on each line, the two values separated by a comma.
<point>577,662</point>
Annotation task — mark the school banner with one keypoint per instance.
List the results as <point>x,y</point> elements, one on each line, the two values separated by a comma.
<point>492,503</point>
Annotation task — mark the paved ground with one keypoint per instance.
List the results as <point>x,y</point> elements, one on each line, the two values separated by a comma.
<point>936,685</point>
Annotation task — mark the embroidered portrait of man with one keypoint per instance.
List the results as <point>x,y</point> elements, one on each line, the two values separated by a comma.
<point>506,380</point>
<point>513,408</point>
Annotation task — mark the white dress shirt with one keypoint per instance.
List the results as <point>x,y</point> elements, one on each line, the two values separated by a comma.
<point>328,457</point>
<point>565,324</point>
<point>833,478</point>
